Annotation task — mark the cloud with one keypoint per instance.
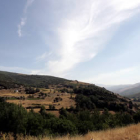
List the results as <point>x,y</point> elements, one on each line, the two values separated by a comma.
<point>28,4</point>
<point>24,18</point>
<point>22,23</point>
<point>43,56</point>
<point>116,77</point>
<point>85,29</point>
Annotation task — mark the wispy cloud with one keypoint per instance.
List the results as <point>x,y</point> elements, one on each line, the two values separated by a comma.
<point>28,4</point>
<point>86,29</point>
<point>43,56</point>
<point>24,18</point>
<point>22,23</point>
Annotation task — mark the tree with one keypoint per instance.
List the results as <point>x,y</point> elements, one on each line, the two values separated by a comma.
<point>42,110</point>
<point>63,112</point>
<point>51,107</point>
<point>137,117</point>
<point>37,90</point>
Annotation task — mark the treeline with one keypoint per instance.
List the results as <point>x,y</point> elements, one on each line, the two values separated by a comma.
<point>31,90</point>
<point>16,119</point>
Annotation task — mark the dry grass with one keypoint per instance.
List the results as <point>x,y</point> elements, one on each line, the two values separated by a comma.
<point>127,133</point>
<point>49,100</point>
<point>66,102</point>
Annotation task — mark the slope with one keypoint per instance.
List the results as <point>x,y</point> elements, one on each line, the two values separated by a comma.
<point>10,80</point>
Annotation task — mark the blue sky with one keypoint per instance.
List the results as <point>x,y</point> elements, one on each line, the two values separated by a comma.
<point>96,41</point>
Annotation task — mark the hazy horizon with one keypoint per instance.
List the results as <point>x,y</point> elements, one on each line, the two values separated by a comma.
<point>90,41</point>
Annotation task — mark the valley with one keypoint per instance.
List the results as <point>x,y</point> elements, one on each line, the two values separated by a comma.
<point>39,105</point>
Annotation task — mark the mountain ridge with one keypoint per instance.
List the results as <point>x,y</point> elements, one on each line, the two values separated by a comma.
<point>125,90</point>
<point>10,79</point>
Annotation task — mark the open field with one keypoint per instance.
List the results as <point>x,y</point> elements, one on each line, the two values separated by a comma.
<point>66,102</point>
<point>36,102</point>
<point>131,132</point>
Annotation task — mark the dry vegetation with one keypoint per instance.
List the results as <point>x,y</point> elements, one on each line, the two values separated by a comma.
<point>131,132</point>
<point>85,108</point>
<point>48,100</point>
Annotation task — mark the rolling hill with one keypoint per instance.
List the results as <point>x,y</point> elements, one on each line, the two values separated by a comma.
<point>125,90</point>
<point>75,107</point>
<point>10,80</point>
<point>86,96</point>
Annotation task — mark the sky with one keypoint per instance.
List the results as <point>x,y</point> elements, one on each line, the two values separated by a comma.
<point>94,41</point>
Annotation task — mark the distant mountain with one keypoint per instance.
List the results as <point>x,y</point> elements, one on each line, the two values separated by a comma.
<point>125,90</point>
<point>10,80</point>
<point>135,96</point>
<point>117,88</point>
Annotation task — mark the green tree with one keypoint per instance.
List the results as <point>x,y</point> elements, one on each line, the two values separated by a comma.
<point>43,110</point>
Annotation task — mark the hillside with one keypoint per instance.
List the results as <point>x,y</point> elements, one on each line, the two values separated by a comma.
<point>135,97</point>
<point>77,107</point>
<point>32,91</point>
<point>11,80</point>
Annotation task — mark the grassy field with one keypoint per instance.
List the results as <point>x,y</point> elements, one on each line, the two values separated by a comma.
<point>131,132</point>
